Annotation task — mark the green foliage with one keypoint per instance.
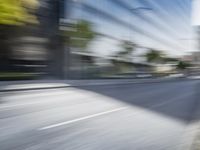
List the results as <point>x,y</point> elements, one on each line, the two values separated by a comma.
<point>169,59</point>
<point>80,34</point>
<point>127,49</point>
<point>154,56</point>
<point>12,12</point>
<point>182,65</point>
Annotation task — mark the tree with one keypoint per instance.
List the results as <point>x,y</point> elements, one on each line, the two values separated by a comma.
<point>14,12</point>
<point>80,34</point>
<point>182,65</point>
<point>170,59</point>
<point>13,15</point>
<point>127,49</point>
<point>154,56</point>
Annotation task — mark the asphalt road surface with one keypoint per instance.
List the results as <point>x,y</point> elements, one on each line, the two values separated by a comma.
<point>150,116</point>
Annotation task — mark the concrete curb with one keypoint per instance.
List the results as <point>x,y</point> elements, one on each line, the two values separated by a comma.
<point>54,85</point>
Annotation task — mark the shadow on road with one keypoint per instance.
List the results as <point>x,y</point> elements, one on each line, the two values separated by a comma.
<point>178,100</point>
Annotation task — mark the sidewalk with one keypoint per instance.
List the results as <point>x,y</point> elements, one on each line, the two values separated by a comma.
<point>6,86</point>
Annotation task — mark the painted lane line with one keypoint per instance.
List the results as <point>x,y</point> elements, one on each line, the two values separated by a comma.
<point>17,105</point>
<point>82,118</point>
<point>172,100</point>
<point>8,107</point>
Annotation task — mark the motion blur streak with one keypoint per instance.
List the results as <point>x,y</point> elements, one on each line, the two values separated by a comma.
<point>156,116</point>
<point>99,74</point>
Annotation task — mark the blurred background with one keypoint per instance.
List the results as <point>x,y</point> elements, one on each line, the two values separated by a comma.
<point>87,39</point>
<point>99,74</point>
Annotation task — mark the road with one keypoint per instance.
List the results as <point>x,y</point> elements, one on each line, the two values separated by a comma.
<point>150,116</point>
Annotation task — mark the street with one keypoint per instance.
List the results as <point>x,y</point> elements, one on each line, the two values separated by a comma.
<point>148,116</point>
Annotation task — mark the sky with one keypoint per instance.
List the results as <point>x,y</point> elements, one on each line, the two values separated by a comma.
<point>196,12</point>
<point>166,26</point>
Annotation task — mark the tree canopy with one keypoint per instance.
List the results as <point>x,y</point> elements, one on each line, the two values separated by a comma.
<point>182,65</point>
<point>127,49</point>
<point>154,56</point>
<point>80,34</point>
<point>14,12</point>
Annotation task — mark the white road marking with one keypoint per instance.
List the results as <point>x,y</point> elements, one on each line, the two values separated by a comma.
<point>9,107</point>
<point>18,105</point>
<point>82,118</point>
<point>172,100</point>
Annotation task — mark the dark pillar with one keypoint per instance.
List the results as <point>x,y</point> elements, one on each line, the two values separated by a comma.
<point>50,13</point>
